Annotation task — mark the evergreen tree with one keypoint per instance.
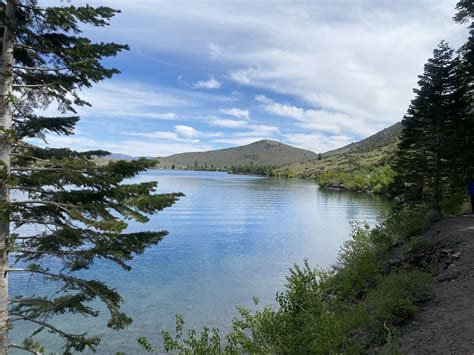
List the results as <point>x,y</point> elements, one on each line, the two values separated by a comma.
<point>78,210</point>
<point>465,90</point>
<point>422,163</point>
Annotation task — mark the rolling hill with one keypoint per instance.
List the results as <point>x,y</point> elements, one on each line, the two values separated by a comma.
<point>264,152</point>
<point>360,166</point>
<point>380,140</point>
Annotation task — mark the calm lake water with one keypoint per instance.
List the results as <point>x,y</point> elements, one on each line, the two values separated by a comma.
<point>231,238</point>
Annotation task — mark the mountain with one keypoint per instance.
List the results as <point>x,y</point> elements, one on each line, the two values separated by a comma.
<point>384,138</point>
<point>120,156</point>
<point>362,156</point>
<point>264,152</point>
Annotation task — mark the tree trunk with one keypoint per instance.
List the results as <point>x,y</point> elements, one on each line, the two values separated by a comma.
<point>6,117</point>
<point>437,193</point>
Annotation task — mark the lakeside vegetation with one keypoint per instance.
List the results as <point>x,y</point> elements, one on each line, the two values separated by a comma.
<point>364,172</point>
<point>364,166</point>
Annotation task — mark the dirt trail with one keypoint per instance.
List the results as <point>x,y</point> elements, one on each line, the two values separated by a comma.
<point>445,324</point>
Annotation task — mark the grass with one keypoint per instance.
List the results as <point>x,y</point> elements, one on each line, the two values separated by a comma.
<point>362,166</point>
<point>367,171</point>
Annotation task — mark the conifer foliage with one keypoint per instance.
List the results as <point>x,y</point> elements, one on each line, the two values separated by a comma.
<point>465,15</point>
<point>57,204</point>
<point>422,158</point>
<point>436,155</point>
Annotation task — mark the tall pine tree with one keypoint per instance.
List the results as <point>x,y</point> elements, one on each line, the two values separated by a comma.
<point>422,163</point>
<point>436,155</point>
<point>78,209</point>
<point>465,90</point>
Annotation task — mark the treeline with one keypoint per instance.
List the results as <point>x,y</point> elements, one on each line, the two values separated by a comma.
<point>202,167</point>
<point>253,169</point>
<point>435,159</point>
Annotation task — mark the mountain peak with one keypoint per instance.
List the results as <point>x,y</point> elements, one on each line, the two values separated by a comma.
<point>266,142</point>
<point>262,152</point>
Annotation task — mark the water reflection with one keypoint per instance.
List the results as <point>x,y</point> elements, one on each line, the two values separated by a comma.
<point>231,238</point>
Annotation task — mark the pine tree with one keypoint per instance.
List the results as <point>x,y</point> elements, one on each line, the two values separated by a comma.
<point>78,209</point>
<point>422,161</point>
<point>465,90</point>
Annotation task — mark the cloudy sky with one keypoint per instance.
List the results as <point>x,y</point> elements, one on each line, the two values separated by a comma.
<point>205,75</point>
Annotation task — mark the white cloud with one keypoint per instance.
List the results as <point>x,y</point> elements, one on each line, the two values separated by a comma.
<point>317,142</point>
<point>239,140</point>
<point>156,135</point>
<point>167,115</point>
<point>317,120</point>
<point>186,131</point>
<point>135,100</point>
<point>236,112</point>
<point>132,100</point>
<point>249,128</point>
<point>215,51</point>
<point>227,123</point>
<point>359,58</point>
<point>129,147</point>
<point>263,129</point>
<point>207,84</point>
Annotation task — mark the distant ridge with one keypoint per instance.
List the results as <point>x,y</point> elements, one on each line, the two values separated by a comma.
<point>119,156</point>
<point>263,152</point>
<point>369,152</point>
<point>386,137</point>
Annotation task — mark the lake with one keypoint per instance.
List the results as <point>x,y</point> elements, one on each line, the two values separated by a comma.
<point>231,238</point>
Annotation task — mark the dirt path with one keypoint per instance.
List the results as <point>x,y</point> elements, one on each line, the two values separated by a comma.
<point>445,324</point>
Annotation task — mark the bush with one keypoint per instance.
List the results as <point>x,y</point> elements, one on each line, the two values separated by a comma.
<point>376,179</point>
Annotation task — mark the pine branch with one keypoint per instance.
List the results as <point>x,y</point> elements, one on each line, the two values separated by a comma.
<point>40,202</point>
<point>34,86</point>
<point>29,7</point>
<point>76,341</point>
<point>48,169</point>
<point>44,324</point>
<point>41,69</point>
<point>18,270</point>
<point>16,346</point>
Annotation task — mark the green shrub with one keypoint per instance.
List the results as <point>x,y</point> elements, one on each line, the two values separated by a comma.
<point>374,178</point>
<point>392,302</point>
<point>207,343</point>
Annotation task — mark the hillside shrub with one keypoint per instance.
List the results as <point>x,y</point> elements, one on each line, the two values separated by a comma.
<point>376,179</point>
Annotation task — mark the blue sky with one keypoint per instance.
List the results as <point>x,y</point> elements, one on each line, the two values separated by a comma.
<point>204,75</point>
